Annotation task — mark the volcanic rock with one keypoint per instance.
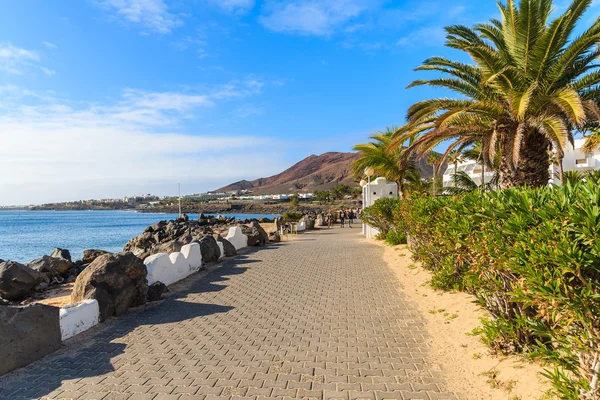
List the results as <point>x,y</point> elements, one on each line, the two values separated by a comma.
<point>117,281</point>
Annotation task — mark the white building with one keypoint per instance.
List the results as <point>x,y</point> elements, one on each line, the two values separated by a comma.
<point>574,160</point>
<point>377,189</point>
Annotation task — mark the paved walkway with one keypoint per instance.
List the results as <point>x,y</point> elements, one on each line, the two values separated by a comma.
<point>319,318</point>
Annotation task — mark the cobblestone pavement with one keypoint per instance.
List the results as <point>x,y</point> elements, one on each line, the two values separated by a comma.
<point>317,318</point>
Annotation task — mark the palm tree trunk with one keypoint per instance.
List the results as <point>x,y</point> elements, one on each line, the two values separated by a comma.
<point>532,169</point>
<point>561,172</point>
<point>482,175</point>
<point>400,185</point>
<point>434,181</point>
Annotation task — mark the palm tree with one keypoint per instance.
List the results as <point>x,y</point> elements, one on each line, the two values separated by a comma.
<point>592,142</point>
<point>435,160</point>
<point>462,183</point>
<point>378,155</point>
<point>529,86</point>
<point>455,157</point>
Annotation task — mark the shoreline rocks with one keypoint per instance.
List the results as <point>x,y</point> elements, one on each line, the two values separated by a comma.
<point>17,280</point>
<point>117,281</point>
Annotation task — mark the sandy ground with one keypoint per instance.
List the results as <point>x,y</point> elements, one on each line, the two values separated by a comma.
<point>472,373</point>
<point>57,296</point>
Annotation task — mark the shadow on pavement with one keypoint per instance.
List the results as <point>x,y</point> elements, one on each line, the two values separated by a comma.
<point>91,357</point>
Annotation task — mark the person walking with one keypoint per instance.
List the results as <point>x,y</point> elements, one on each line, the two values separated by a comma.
<point>342,217</point>
<point>350,217</point>
<point>329,220</point>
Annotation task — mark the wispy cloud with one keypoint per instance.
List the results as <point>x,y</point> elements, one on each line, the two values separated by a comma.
<point>72,150</point>
<point>48,71</point>
<point>153,15</point>
<point>49,45</point>
<point>312,17</point>
<point>426,36</point>
<point>13,59</point>
<point>233,6</point>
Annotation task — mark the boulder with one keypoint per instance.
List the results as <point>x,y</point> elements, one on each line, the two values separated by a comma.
<point>156,290</point>
<point>27,334</point>
<point>117,281</point>
<point>61,253</point>
<point>209,249</point>
<point>253,236</point>
<point>51,265</point>
<point>16,280</point>
<point>228,247</point>
<point>274,237</point>
<point>90,255</point>
<point>168,247</point>
<point>263,234</point>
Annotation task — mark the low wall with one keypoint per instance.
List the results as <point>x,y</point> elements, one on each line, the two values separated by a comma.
<point>170,268</point>
<point>27,334</point>
<point>78,317</point>
<point>237,237</point>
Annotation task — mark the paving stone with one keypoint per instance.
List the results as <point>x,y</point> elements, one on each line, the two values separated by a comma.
<point>319,318</point>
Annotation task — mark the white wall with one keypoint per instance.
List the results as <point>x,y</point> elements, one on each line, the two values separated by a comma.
<point>78,317</point>
<point>237,237</point>
<point>170,268</point>
<point>371,192</point>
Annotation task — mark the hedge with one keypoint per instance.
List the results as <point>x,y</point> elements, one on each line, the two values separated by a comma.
<point>532,258</point>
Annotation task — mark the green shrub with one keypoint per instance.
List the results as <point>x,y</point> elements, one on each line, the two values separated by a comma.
<point>532,259</point>
<point>290,216</point>
<point>395,236</point>
<point>381,214</point>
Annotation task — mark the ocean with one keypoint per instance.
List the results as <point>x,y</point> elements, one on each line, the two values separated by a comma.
<point>27,235</point>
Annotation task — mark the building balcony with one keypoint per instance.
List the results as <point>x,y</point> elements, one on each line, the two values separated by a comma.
<point>586,163</point>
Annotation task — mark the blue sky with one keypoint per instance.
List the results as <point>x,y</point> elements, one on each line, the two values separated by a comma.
<point>106,98</point>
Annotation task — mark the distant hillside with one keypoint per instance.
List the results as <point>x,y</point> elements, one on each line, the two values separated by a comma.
<point>313,173</point>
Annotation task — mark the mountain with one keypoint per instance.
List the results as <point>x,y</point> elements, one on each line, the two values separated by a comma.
<point>313,173</point>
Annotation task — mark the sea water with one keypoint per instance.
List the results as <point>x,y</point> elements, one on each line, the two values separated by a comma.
<point>26,235</point>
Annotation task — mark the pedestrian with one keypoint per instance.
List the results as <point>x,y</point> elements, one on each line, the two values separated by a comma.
<point>350,217</point>
<point>329,220</point>
<point>342,218</point>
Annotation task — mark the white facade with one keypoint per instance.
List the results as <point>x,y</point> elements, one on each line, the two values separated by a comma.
<point>471,168</point>
<point>574,160</point>
<point>577,160</point>
<point>377,189</point>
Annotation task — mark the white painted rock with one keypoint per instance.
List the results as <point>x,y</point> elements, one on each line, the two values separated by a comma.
<point>221,249</point>
<point>192,254</point>
<point>237,237</point>
<point>301,226</point>
<point>78,317</point>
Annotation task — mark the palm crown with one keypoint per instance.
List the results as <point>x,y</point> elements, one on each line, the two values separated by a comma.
<point>530,85</point>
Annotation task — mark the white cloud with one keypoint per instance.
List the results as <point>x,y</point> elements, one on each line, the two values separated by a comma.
<point>70,151</point>
<point>13,59</point>
<point>234,6</point>
<point>152,14</point>
<point>313,17</point>
<point>48,71</point>
<point>49,45</point>
<point>426,36</point>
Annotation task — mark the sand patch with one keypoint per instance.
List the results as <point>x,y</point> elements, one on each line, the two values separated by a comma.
<point>56,296</point>
<point>472,373</point>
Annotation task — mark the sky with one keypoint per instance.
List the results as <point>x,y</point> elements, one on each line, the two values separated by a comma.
<point>110,98</point>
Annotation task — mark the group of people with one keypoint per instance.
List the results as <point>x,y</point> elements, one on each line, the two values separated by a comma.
<point>345,215</point>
